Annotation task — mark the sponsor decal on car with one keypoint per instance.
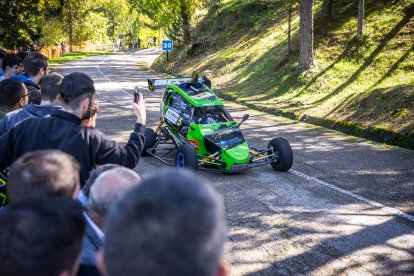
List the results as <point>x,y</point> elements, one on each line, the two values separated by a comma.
<point>172,116</point>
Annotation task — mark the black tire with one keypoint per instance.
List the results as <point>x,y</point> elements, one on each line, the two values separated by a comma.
<point>150,139</point>
<point>282,148</point>
<point>186,157</point>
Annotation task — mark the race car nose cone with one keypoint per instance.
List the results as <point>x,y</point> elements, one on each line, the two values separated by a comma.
<point>238,154</point>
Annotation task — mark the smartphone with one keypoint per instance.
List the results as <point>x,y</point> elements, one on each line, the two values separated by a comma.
<point>136,94</point>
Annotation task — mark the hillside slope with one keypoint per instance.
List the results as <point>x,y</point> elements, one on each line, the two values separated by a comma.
<point>361,86</point>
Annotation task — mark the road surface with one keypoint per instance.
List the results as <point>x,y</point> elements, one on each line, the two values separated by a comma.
<point>345,208</point>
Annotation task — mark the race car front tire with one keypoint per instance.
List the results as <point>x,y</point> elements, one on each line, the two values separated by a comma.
<point>150,139</point>
<point>282,149</point>
<point>186,157</point>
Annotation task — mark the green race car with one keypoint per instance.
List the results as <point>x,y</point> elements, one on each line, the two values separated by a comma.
<point>196,131</point>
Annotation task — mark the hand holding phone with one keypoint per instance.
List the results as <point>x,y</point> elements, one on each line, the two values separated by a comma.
<point>136,95</point>
<point>139,107</point>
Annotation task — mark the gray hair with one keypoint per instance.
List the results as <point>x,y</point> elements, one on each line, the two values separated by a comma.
<point>108,187</point>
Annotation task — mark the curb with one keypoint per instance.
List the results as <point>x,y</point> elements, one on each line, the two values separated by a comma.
<point>376,134</point>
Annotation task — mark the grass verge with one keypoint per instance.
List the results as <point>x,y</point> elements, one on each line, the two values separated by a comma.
<point>75,56</point>
<point>364,87</point>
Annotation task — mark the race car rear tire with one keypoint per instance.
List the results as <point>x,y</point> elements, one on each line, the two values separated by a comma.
<point>186,157</point>
<point>150,139</point>
<point>281,148</point>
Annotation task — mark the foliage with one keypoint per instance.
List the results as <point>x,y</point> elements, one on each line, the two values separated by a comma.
<point>18,26</point>
<point>52,21</point>
<point>174,16</point>
<point>367,81</point>
<point>101,21</point>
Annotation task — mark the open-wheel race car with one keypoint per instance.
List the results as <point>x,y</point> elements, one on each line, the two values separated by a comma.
<point>195,131</point>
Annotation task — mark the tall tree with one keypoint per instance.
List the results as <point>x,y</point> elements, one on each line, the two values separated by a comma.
<point>290,6</point>
<point>306,34</point>
<point>327,8</point>
<point>19,22</point>
<point>185,10</point>
<point>360,30</point>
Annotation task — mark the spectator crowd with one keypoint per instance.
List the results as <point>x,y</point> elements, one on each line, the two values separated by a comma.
<point>72,203</point>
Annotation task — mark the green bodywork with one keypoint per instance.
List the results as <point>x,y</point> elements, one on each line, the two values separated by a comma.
<point>229,156</point>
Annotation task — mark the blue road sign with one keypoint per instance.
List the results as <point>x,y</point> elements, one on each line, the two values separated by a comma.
<point>167,45</point>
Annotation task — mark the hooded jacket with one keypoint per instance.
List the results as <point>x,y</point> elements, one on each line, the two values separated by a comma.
<point>31,110</point>
<point>34,90</point>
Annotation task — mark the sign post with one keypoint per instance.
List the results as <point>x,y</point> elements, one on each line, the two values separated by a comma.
<point>167,45</point>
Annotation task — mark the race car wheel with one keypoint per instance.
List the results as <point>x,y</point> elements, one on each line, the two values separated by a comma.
<point>150,139</point>
<point>186,157</point>
<point>284,154</point>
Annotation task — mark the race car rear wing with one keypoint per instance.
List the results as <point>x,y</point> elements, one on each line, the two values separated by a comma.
<point>162,83</point>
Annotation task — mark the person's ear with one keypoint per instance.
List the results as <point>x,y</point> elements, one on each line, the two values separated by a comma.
<point>85,103</point>
<point>100,262</point>
<point>22,102</point>
<point>224,268</point>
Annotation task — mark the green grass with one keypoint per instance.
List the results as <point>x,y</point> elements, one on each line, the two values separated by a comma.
<point>365,84</point>
<point>75,56</point>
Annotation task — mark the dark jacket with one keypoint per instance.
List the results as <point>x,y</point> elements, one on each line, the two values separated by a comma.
<point>63,131</point>
<point>34,89</point>
<point>31,110</point>
<point>91,244</point>
<point>34,92</point>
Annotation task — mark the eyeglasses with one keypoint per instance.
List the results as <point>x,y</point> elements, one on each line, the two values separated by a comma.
<point>24,96</point>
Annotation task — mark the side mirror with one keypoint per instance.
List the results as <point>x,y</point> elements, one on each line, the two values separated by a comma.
<point>245,117</point>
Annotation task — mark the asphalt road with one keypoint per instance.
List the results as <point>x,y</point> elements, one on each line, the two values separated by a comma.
<point>346,206</point>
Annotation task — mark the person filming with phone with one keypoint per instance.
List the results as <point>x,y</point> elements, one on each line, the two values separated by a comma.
<point>63,130</point>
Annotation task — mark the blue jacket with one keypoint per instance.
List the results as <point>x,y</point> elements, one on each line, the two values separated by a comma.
<point>31,110</point>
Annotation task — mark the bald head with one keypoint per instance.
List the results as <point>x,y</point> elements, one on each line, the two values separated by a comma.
<point>108,187</point>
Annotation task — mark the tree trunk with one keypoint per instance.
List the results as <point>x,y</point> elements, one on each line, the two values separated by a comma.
<point>289,30</point>
<point>360,19</point>
<point>306,34</point>
<point>185,15</point>
<point>327,8</point>
<point>70,26</point>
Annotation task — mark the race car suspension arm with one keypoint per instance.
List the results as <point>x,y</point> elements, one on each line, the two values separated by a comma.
<point>262,156</point>
<point>211,159</point>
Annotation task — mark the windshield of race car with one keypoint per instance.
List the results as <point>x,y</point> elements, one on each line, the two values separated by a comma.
<point>211,115</point>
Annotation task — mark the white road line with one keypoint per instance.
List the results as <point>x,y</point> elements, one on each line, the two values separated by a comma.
<point>386,208</point>
<point>108,79</point>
